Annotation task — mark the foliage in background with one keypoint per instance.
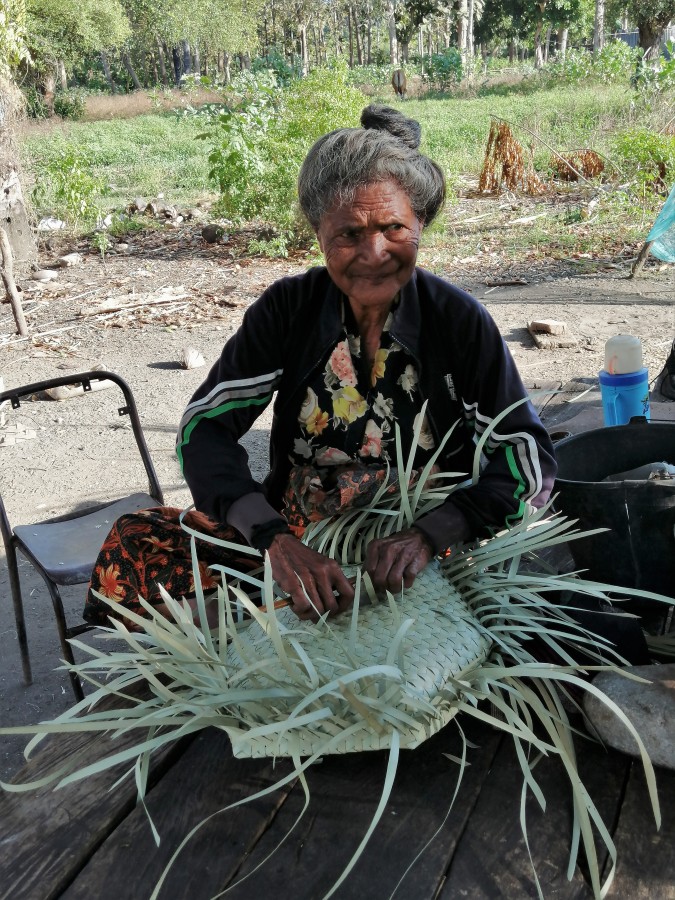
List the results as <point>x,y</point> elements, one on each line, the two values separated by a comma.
<point>65,29</point>
<point>69,104</point>
<point>13,44</point>
<point>68,189</point>
<point>615,62</point>
<point>649,157</point>
<point>445,69</point>
<point>258,144</point>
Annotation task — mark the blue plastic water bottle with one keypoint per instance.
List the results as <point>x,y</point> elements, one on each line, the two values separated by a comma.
<point>624,396</point>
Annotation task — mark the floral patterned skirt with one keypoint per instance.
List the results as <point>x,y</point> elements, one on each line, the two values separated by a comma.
<point>150,548</point>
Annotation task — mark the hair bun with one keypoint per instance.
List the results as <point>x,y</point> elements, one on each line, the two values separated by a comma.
<point>385,118</point>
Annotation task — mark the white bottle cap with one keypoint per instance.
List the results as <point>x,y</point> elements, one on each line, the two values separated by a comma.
<point>623,354</point>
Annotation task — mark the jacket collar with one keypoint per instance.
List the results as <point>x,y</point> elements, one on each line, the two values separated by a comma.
<point>405,327</point>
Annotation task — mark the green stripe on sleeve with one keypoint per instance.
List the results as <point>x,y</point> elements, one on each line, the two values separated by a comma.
<point>211,414</point>
<point>520,487</point>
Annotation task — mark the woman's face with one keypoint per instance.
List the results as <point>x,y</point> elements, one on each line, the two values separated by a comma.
<point>370,245</point>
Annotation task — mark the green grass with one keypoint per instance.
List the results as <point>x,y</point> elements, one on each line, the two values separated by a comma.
<point>455,130</point>
<point>153,154</point>
<point>143,156</point>
<point>158,153</point>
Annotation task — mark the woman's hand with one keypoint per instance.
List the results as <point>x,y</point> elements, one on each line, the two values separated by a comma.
<point>396,560</point>
<point>296,566</point>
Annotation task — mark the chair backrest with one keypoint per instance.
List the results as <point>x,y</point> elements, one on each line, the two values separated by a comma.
<point>85,380</point>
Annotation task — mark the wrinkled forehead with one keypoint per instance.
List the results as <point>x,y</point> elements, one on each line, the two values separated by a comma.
<point>385,198</point>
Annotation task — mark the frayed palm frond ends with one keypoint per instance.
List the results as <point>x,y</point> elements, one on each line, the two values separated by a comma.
<point>475,635</point>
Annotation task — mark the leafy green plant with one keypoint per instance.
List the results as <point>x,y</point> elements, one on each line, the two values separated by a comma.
<point>648,157</point>
<point>67,187</point>
<point>271,247</point>
<point>69,104</point>
<point>445,69</point>
<point>259,142</point>
<point>652,80</point>
<point>615,63</point>
<point>36,107</point>
<point>102,243</point>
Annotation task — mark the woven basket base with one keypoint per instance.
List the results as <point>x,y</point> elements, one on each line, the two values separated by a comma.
<point>442,643</point>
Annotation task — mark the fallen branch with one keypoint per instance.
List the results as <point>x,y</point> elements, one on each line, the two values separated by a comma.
<point>114,305</point>
<point>7,273</point>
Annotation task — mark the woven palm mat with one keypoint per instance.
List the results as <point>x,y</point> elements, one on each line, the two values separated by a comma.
<point>392,665</point>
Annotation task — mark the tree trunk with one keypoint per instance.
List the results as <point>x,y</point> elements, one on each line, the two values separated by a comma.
<point>337,31</point>
<point>547,42</point>
<point>162,64</point>
<point>177,70</point>
<point>369,36</point>
<point>106,71</point>
<point>226,68</point>
<point>404,46</point>
<point>61,71</point>
<point>196,61</point>
<point>304,50</point>
<point>562,41</point>
<point>187,58</point>
<point>391,25</point>
<point>126,61</point>
<point>13,216</point>
<point>469,29</point>
<point>350,38</point>
<point>538,53</point>
<point>357,40</point>
<point>7,275</point>
<point>462,27</point>
<point>512,51</point>
<point>651,33</point>
<point>599,26</point>
<point>49,90</point>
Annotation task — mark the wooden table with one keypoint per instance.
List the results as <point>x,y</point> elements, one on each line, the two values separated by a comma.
<point>85,842</point>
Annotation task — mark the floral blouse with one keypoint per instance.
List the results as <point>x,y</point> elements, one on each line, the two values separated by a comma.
<point>349,413</point>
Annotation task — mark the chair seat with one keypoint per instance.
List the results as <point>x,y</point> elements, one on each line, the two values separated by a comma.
<point>67,549</point>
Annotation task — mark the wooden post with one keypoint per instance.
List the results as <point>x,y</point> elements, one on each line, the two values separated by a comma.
<point>7,274</point>
<point>641,259</point>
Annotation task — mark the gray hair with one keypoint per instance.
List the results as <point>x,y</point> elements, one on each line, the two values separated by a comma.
<point>384,149</point>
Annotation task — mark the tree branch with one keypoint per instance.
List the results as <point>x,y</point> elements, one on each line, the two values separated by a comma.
<point>7,274</point>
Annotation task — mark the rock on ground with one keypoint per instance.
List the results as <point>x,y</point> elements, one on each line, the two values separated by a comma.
<point>650,708</point>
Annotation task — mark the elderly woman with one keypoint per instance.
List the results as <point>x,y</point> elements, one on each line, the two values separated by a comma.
<point>352,350</point>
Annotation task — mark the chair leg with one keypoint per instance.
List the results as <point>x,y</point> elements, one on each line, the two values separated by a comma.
<point>63,636</point>
<point>15,588</point>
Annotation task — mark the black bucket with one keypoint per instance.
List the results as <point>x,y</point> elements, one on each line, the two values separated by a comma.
<point>639,549</point>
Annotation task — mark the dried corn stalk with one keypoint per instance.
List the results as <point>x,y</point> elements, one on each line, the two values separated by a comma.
<point>584,163</point>
<point>505,165</point>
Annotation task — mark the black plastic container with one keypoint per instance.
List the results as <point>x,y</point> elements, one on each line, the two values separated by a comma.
<point>639,549</point>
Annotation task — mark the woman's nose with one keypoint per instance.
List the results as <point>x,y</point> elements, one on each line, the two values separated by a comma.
<point>373,246</point>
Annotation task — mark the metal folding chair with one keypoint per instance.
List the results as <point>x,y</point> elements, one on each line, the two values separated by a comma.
<point>63,549</point>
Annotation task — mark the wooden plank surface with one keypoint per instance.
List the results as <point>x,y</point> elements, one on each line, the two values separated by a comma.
<point>47,835</point>
<point>205,780</point>
<point>344,795</point>
<point>646,864</point>
<point>492,860</point>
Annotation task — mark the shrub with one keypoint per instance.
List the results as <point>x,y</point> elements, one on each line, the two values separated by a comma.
<point>36,108</point>
<point>445,69</point>
<point>69,105</point>
<point>648,157</point>
<point>67,188</point>
<point>616,62</point>
<point>260,144</point>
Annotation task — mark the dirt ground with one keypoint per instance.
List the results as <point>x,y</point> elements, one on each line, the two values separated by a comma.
<point>163,291</point>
